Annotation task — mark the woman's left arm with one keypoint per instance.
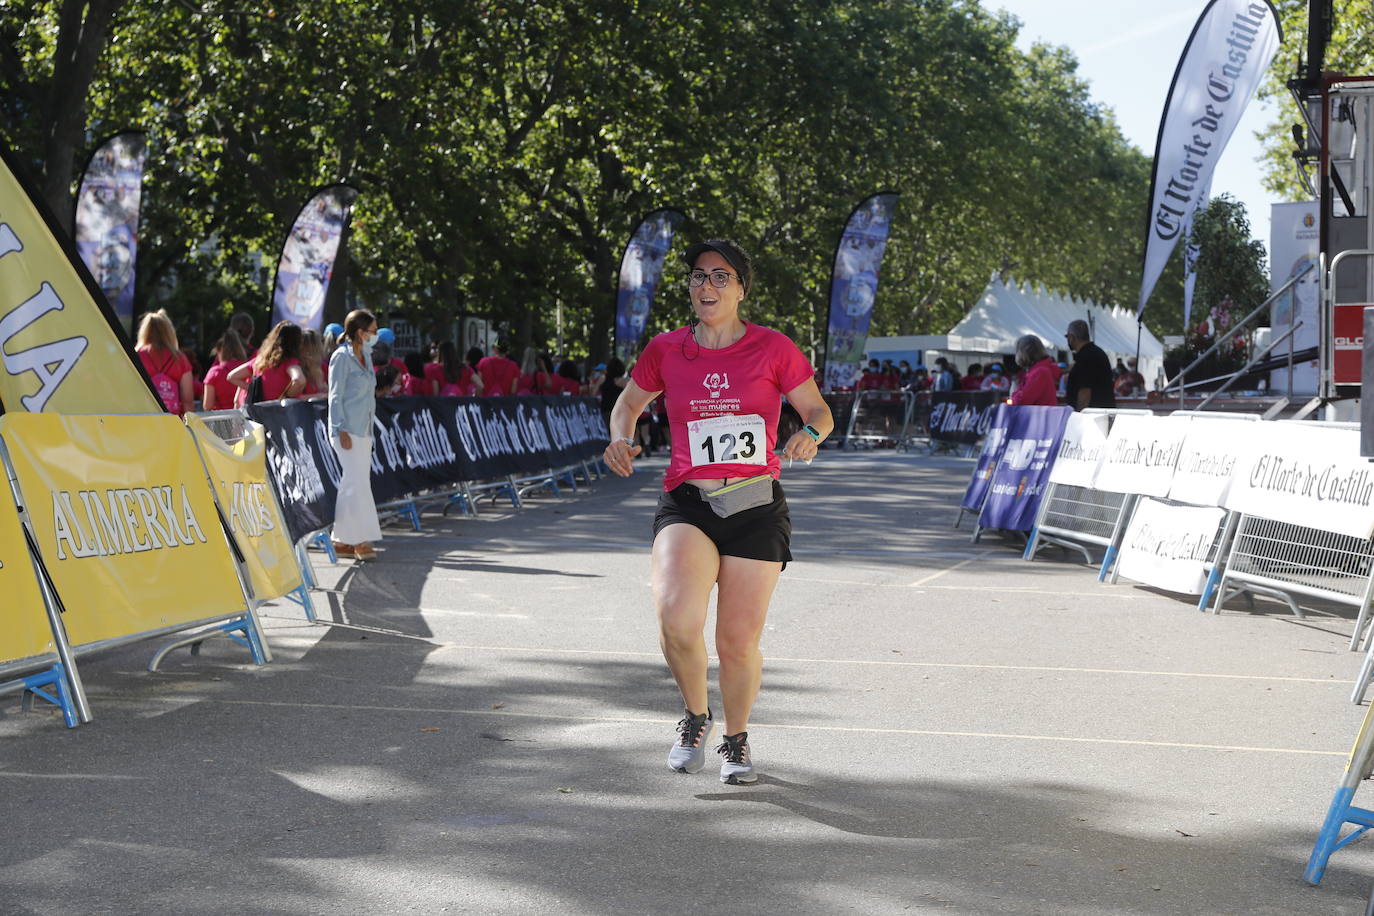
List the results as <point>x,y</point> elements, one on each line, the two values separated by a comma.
<point>807,401</point>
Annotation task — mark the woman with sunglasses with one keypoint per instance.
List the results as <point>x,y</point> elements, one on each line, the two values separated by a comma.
<point>722,520</point>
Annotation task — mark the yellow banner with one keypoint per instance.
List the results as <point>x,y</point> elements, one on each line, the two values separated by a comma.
<point>125,522</point>
<point>58,347</point>
<point>24,630</point>
<point>240,473</point>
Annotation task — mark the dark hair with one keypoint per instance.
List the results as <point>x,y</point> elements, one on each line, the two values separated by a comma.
<point>230,347</point>
<point>386,377</point>
<point>283,342</point>
<point>614,368</point>
<point>736,256</point>
<point>568,369</point>
<point>357,320</point>
<point>242,323</point>
<point>414,364</point>
<point>474,356</point>
<point>448,358</point>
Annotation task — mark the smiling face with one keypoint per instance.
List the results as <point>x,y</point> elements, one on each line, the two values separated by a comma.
<point>716,306</point>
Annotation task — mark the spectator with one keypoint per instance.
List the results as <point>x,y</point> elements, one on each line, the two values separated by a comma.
<point>388,380</point>
<point>278,364</point>
<point>474,358</point>
<point>164,362</point>
<point>434,369</point>
<point>905,375</point>
<point>1130,384</point>
<point>973,380</point>
<point>891,378</point>
<point>611,386</point>
<point>1040,384</point>
<point>944,378</point>
<point>920,379</point>
<point>995,380</point>
<point>1118,370</point>
<point>415,383</point>
<point>500,374</point>
<point>567,379</point>
<point>457,379</point>
<point>313,355</point>
<point>1063,379</point>
<point>595,378</point>
<point>242,323</point>
<point>533,378</point>
<point>229,355</point>
<point>1090,379</point>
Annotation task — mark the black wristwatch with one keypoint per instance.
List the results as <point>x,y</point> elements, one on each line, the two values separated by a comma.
<point>812,432</point>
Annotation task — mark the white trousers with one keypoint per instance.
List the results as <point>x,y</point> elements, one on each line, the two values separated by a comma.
<point>355,512</point>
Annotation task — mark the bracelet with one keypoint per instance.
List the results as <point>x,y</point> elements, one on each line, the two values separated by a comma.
<point>812,432</point>
<point>627,440</point>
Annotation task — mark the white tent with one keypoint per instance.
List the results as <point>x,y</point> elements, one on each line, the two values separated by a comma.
<point>1006,310</point>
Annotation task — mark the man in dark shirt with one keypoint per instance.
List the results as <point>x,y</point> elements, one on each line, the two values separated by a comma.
<point>1090,379</point>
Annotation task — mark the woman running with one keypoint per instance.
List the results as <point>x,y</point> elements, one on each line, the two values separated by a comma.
<point>722,520</point>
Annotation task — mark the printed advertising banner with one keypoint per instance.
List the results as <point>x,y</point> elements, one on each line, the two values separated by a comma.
<point>240,473</point>
<point>1307,475</point>
<point>125,522</point>
<point>1294,243</point>
<point>24,630</point>
<point>854,287</point>
<point>1222,64</point>
<point>1085,441</point>
<point>1033,435</point>
<point>993,443</point>
<point>962,416</point>
<point>1211,452</point>
<point>424,443</point>
<point>59,346</point>
<point>307,257</point>
<point>1167,546</point>
<point>107,208</point>
<point>641,268</point>
<point>1140,455</point>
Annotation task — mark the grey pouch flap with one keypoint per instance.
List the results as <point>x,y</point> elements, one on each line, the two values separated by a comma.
<point>736,497</point>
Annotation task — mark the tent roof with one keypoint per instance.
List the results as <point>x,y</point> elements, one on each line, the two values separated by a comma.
<point>1006,310</point>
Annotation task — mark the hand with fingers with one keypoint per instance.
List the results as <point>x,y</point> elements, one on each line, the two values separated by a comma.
<point>620,455</point>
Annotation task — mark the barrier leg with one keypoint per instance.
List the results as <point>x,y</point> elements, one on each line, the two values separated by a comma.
<point>1362,620</point>
<point>37,686</point>
<point>325,544</point>
<point>243,630</point>
<point>1341,811</point>
<point>301,596</point>
<point>1362,679</point>
<point>1118,535</point>
<point>412,511</point>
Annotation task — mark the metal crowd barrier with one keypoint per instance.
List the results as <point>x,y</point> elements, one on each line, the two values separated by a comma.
<point>880,417</point>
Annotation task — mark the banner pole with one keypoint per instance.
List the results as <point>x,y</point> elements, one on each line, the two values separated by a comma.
<point>52,604</point>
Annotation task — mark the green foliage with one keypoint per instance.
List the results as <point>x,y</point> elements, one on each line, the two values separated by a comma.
<point>1231,266</point>
<point>505,151</point>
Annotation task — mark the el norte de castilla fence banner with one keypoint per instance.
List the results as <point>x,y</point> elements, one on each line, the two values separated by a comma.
<point>962,416</point>
<point>421,444</point>
<point>1222,64</point>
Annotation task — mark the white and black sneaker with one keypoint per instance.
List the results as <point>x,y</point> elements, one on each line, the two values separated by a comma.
<point>738,767</point>
<point>688,753</point>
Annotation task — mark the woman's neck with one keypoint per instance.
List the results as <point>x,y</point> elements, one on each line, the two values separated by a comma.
<point>716,337</point>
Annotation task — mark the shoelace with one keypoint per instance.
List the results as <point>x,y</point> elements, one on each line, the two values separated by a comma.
<point>733,752</point>
<point>690,731</point>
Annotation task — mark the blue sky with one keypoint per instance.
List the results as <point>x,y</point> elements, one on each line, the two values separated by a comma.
<point>1127,51</point>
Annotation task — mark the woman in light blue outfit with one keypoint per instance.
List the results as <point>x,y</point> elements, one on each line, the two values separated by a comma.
<point>352,403</point>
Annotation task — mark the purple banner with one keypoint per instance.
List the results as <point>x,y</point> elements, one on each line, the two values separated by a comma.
<point>641,268</point>
<point>1032,436</point>
<point>993,443</point>
<point>106,225</point>
<point>307,257</point>
<point>854,286</point>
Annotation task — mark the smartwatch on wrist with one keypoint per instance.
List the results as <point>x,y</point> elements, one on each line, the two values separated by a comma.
<point>812,432</point>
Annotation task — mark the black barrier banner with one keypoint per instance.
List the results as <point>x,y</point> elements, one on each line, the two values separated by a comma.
<point>962,416</point>
<point>424,443</point>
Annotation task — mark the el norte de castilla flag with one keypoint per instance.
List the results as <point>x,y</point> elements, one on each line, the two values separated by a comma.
<point>1222,64</point>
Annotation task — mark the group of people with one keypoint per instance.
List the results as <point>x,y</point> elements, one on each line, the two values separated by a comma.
<point>293,362</point>
<point>1035,376</point>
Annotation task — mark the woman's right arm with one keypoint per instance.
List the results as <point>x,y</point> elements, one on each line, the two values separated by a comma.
<point>620,454</point>
<point>241,375</point>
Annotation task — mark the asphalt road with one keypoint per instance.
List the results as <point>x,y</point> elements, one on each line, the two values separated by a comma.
<point>943,728</point>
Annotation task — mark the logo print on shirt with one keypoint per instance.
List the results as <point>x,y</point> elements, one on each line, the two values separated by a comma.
<point>716,382</point>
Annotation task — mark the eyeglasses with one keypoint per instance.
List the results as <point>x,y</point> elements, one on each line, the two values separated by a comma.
<point>718,278</point>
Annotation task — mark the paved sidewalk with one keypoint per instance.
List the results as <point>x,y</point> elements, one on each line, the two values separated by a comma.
<point>943,728</point>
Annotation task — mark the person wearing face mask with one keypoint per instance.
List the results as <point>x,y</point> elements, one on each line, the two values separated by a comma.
<point>352,403</point>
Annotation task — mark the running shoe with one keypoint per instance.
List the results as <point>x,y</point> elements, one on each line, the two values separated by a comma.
<point>738,767</point>
<point>688,753</point>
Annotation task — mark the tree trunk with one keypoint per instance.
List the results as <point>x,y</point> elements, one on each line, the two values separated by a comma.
<point>83,27</point>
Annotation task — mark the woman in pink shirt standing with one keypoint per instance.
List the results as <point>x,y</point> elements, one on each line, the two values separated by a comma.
<point>229,355</point>
<point>722,520</point>
<point>166,365</point>
<point>278,364</point>
<point>1040,384</point>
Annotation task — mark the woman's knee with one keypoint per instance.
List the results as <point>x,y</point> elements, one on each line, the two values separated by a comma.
<point>737,644</point>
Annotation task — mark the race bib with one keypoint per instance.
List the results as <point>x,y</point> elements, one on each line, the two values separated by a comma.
<point>734,439</point>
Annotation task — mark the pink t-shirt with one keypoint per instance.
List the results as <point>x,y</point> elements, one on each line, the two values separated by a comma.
<point>218,379</point>
<point>497,373</point>
<point>275,379</point>
<point>434,374</point>
<point>748,377</point>
<point>416,385</point>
